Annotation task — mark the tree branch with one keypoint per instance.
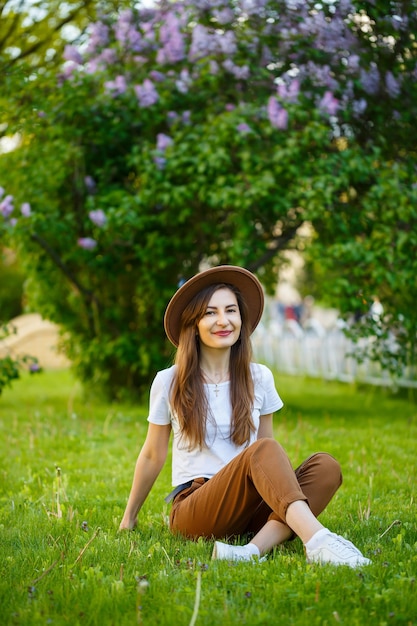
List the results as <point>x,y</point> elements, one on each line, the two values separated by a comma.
<point>278,243</point>
<point>64,268</point>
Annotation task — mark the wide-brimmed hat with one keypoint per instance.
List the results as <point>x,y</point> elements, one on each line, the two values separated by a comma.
<point>246,282</point>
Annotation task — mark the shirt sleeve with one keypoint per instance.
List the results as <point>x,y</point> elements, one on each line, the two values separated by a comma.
<point>159,410</point>
<point>271,400</point>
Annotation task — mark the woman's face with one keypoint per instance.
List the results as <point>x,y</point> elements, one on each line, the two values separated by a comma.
<point>221,323</point>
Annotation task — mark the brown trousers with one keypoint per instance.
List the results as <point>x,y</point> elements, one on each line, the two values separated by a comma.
<point>256,486</point>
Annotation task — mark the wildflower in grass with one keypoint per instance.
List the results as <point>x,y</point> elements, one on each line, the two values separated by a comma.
<point>87,243</point>
<point>98,217</point>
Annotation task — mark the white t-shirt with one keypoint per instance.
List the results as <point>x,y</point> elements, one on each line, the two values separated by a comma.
<point>188,464</point>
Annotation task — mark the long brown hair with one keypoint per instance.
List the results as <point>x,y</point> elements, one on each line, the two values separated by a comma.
<point>188,398</point>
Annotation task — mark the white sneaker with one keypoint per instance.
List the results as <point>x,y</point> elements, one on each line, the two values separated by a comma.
<point>234,553</point>
<point>337,550</point>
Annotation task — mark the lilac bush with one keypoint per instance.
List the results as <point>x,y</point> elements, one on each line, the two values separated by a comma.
<point>195,132</point>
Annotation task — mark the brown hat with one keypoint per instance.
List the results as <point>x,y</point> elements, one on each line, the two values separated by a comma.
<point>242,279</point>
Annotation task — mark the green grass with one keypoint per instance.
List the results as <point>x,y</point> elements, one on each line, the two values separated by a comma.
<point>76,569</point>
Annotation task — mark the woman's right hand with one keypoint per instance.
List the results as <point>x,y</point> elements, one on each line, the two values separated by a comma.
<point>128,524</point>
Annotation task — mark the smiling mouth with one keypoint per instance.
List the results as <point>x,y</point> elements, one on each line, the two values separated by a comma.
<point>223,333</point>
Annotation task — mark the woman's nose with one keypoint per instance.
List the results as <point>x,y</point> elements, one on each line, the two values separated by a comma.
<point>222,319</point>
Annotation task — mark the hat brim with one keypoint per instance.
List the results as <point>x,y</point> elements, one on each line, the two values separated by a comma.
<point>242,279</point>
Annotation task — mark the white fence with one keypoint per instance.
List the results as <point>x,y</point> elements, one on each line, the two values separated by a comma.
<point>319,353</point>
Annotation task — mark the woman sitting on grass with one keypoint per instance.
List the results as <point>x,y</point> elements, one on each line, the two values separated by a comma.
<point>231,477</point>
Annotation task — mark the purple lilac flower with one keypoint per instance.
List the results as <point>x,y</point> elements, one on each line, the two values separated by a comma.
<point>25,209</point>
<point>99,36</point>
<point>278,116</point>
<point>107,56</point>
<point>146,93</point>
<point>359,106</point>
<point>98,217</point>
<point>214,67</point>
<point>1,191</point>
<point>392,85</point>
<point>160,162</point>
<point>240,72</point>
<point>370,79</point>
<point>172,117</point>
<point>90,183</point>
<point>201,43</point>
<point>227,43</point>
<point>93,66</point>
<point>252,6</point>
<point>87,243</point>
<point>186,117</point>
<point>117,86</point>
<point>243,128</point>
<point>158,77</point>
<point>329,104</point>
<point>126,34</point>
<point>172,40</point>
<point>353,61</point>
<point>163,142</point>
<point>6,206</point>
<point>224,16</point>
<point>72,54</point>
<point>290,92</point>
<point>68,71</point>
<point>184,81</point>
<point>13,222</point>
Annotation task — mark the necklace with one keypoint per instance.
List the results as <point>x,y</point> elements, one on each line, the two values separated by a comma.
<point>223,378</point>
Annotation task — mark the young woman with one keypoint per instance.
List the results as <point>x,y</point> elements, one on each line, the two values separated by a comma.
<point>231,478</point>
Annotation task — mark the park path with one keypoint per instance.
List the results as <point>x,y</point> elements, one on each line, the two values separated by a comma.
<point>34,337</point>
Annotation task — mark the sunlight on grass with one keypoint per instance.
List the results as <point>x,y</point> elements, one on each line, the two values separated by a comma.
<point>66,466</point>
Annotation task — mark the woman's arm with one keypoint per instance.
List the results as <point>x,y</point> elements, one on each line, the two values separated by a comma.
<point>265,427</point>
<point>150,462</point>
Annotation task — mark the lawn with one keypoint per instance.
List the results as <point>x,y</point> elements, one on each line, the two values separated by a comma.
<point>66,465</point>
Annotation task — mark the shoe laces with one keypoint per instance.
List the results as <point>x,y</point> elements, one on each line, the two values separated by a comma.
<point>344,547</point>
